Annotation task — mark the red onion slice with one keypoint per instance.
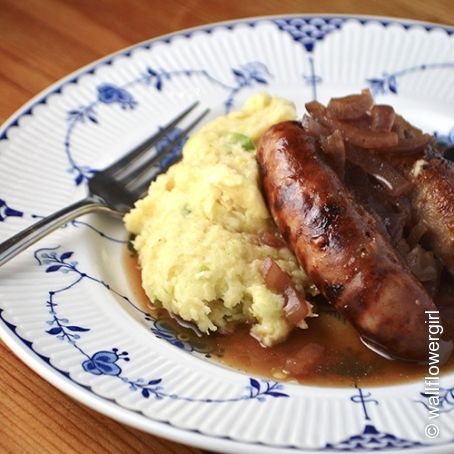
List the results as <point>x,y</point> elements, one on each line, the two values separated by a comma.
<point>410,145</point>
<point>422,264</point>
<point>350,107</point>
<point>313,127</point>
<point>404,129</point>
<point>416,233</point>
<point>363,138</point>
<point>390,178</point>
<point>296,308</point>
<point>275,279</point>
<point>334,148</point>
<point>382,118</point>
<point>270,239</point>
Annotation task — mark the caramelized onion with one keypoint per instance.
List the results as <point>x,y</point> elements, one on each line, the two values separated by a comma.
<point>395,224</point>
<point>350,107</point>
<point>390,178</point>
<point>313,127</point>
<point>317,110</point>
<point>367,138</point>
<point>410,145</point>
<point>296,308</point>
<point>270,239</point>
<point>391,214</point>
<point>402,248</point>
<point>275,279</point>
<point>382,118</point>
<point>416,233</point>
<point>363,122</point>
<point>334,148</point>
<point>364,138</point>
<point>404,129</point>
<point>422,264</point>
<point>382,130</point>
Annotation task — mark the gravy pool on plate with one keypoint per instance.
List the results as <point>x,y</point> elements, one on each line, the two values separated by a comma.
<point>345,360</point>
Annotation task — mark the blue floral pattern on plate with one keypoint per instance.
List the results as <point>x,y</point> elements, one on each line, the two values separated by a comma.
<point>114,361</point>
<point>370,439</point>
<point>246,75</point>
<point>445,398</point>
<point>105,362</point>
<point>6,211</point>
<point>388,82</point>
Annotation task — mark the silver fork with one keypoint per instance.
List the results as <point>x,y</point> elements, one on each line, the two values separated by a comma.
<point>113,190</point>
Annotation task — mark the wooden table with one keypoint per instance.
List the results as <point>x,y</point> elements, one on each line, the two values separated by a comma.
<point>42,41</point>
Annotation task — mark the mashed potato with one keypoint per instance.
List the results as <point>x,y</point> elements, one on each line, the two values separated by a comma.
<point>197,229</point>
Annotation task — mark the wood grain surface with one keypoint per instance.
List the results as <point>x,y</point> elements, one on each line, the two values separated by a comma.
<point>44,40</point>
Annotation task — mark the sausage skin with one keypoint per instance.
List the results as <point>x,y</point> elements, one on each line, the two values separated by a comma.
<point>340,245</point>
<point>432,200</point>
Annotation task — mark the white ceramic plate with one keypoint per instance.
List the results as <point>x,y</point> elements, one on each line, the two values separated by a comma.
<point>66,307</point>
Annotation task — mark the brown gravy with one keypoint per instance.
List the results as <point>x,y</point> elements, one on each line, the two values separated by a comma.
<point>338,359</point>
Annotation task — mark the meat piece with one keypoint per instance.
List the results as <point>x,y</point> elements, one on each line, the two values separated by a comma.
<point>340,246</point>
<point>432,200</point>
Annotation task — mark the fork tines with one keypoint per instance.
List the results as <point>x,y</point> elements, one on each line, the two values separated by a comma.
<point>140,176</point>
<point>137,152</point>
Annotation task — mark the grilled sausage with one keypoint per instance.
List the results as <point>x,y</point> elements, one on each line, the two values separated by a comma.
<point>432,200</point>
<point>340,246</point>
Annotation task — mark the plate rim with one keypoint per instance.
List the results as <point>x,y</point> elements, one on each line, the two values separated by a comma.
<point>41,364</point>
<point>92,66</point>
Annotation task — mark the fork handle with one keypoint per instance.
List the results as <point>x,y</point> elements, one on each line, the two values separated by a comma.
<point>25,238</point>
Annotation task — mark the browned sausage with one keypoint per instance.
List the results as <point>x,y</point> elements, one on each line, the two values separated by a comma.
<point>340,246</point>
<point>432,200</point>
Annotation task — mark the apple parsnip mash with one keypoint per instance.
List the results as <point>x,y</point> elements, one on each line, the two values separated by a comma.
<point>198,229</point>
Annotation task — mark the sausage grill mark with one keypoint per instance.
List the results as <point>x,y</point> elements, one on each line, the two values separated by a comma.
<point>325,217</point>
